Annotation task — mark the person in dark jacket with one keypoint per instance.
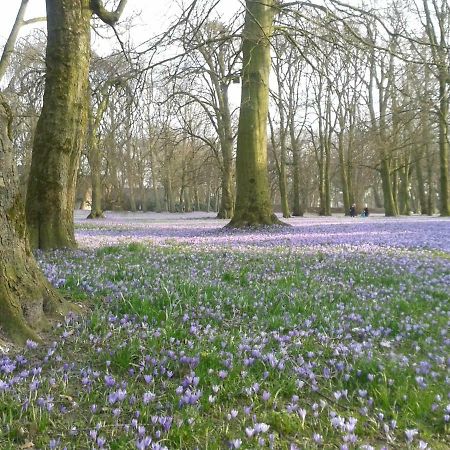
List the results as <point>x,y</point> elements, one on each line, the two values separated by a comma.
<point>366,211</point>
<point>353,210</point>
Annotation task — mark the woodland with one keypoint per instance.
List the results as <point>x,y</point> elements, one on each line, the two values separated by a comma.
<point>178,268</point>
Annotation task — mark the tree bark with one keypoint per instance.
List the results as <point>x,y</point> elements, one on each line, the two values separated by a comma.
<point>226,145</point>
<point>343,172</point>
<point>253,205</point>
<point>154,179</point>
<point>444,144</point>
<point>26,297</point>
<point>95,165</point>
<point>420,180</point>
<point>297,209</point>
<point>61,127</point>
<point>94,159</point>
<point>390,209</point>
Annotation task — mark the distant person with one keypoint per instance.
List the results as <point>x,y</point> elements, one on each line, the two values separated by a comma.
<point>366,211</point>
<point>353,210</point>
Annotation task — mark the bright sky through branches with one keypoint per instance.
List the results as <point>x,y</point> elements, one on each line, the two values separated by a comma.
<point>149,17</point>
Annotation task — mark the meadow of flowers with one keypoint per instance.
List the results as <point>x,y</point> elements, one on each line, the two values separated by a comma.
<point>331,333</point>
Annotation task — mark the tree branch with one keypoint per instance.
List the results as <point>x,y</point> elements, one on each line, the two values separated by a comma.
<point>108,17</point>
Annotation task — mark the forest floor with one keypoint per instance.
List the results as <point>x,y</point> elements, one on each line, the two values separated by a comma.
<point>330,333</point>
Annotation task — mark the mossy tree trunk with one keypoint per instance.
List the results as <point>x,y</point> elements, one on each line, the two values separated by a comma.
<point>253,205</point>
<point>26,297</point>
<point>61,128</point>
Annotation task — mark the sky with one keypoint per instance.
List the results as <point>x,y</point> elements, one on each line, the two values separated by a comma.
<point>153,15</point>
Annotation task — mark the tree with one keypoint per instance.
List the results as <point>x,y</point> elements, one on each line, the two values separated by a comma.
<point>62,125</point>
<point>437,29</point>
<point>253,205</point>
<point>26,298</point>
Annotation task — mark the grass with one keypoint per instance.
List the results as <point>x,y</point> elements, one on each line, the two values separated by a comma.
<point>321,347</point>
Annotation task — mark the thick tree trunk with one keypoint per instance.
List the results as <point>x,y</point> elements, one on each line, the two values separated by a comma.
<point>61,127</point>
<point>253,205</point>
<point>26,297</point>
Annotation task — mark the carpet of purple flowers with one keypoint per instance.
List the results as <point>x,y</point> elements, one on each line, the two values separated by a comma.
<point>331,333</point>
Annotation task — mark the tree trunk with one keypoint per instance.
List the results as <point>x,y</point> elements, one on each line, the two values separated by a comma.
<point>322,195</point>
<point>344,176</point>
<point>95,166</point>
<point>130,175</point>
<point>253,206</point>
<point>208,196</point>
<point>443,144</point>
<point>420,180</point>
<point>404,195</point>
<point>227,201</point>
<point>282,178</point>
<point>430,176</point>
<point>388,195</point>
<point>26,297</point>
<point>327,181</point>
<point>94,156</point>
<point>297,209</point>
<point>154,180</point>
<point>226,144</point>
<point>61,127</point>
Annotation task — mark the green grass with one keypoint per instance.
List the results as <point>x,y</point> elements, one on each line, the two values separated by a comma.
<point>274,319</point>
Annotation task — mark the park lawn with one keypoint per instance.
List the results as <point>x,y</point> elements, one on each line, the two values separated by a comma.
<point>264,344</point>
